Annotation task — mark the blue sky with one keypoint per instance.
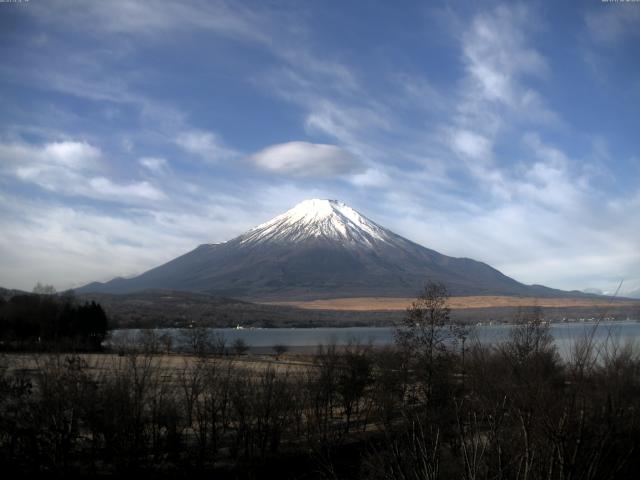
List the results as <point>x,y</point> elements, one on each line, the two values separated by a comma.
<point>506,132</point>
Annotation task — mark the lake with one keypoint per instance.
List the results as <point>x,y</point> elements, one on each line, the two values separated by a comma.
<point>564,334</point>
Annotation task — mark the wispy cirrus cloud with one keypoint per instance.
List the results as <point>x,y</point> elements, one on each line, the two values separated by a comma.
<point>471,144</point>
<point>496,53</point>
<point>106,188</point>
<point>206,145</point>
<point>149,20</point>
<point>496,93</point>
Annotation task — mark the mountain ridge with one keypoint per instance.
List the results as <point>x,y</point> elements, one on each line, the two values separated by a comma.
<point>321,249</point>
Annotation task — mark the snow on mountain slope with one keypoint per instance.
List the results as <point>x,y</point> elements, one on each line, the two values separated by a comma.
<point>319,219</point>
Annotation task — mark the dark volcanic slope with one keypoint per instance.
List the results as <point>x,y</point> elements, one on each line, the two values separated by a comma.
<point>320,249</point>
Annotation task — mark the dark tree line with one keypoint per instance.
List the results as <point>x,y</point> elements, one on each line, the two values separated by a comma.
<point>46,321</point>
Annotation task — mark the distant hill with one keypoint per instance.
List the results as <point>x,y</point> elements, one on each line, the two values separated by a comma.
<point>321,249</point>
<point>633,293</point>
<point>7,293</point>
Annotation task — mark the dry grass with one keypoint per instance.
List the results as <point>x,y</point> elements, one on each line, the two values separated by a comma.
<point>396,304</point>
<point>30,363</point>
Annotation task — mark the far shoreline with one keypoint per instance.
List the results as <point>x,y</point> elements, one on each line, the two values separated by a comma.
<point>345,327</point>
<point>395,304</point>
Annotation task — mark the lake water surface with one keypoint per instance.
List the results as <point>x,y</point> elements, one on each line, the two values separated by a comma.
<point>564,334</point>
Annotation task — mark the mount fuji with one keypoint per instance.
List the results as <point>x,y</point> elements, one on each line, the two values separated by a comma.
<point>320,249</point>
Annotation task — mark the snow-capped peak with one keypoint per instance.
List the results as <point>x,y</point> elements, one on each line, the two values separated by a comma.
<point>319,219</point>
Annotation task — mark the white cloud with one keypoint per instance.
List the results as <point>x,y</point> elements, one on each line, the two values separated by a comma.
<point>371,177</point>
<point>56,166</point>
<point>303,159</point>
<point>71,245</point>
<point>156,165</point>
<point>546,246</point>
<point>543,178</point>
<point>103,187</point>
<point>350,123</point>
<point>71,168</point>
<point>500,62</point>
<point>75,155</point>
<point>543,151</point>
<point>471,144</point>
<point>494,99</point>
<point>147,19</point>
<point>206,145</point>
<point>549,180</point>
<point>496,52</point>
<point>72,155</point>
<point>67,246</point>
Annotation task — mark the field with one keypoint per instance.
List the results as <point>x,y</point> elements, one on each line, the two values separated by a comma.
<point>456,303</point>
<point>168,364</point>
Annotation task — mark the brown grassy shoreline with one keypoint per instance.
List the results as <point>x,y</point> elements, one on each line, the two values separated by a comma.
<point>455,303</point>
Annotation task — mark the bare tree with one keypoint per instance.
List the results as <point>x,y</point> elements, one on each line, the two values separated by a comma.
<point>280,349</point>
<point>166,340</point>
<point>354,376</point>
<point>197,340</point>
<point>239,346</point>
<point>530,337</point>
<point>219,344</point>
<point>41,289</point>
<point>423,335</point>
<point>422,329</point>
<point>149,341</point>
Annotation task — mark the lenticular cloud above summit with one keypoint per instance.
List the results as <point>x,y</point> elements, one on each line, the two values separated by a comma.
<point>304,159</point>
